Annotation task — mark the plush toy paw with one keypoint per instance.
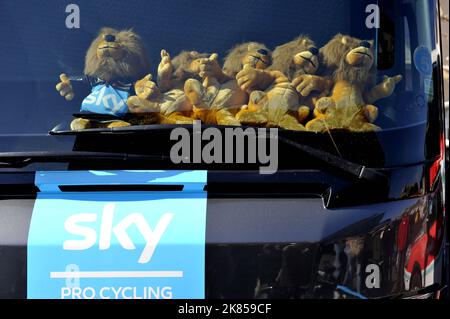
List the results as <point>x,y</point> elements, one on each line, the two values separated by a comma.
<point>303,113</point>
<point>325,114</point>
<point>136,105</point>
<point>200,95</point>
<point>65,88</point>
<point>389,83</point>
<point>165,67</point>
<point>249,78</point>
<point>317,125</point>
<point>195,92</point>
<point>80,124</point>
<point>210,67</point>
<point>146,88</point>
<point>305,84</point>
<point>117,124</point>
<point>324,104</point>
<point>371,113</point>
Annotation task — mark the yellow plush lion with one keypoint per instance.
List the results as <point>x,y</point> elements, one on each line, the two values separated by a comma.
<point>274,101</point>
<point>350,65</point>
<point>114,61</point>
<point>218,98</point>
<point>166,102</point>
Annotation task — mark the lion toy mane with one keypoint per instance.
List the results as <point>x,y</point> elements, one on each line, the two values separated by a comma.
<point>349,62</point>
<point>114,61</point>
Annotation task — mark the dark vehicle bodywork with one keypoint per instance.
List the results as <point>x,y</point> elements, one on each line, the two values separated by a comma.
<point>295,234</point>
<point>280,247</point>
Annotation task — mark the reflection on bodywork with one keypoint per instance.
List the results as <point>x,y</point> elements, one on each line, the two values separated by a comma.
<point>337,267</point>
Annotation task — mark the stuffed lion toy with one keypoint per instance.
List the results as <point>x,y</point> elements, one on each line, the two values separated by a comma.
<point>254,54</point>
<point>350,64</point>
<point>114,62</point>
<point>218,98</point>
<point>166,101</point>
<point>299,61</point>
<point>273,100</point>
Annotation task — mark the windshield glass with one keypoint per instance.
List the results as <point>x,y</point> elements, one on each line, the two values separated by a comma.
<point>322,66</point>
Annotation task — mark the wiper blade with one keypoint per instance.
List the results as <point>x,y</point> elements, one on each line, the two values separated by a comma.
<point>150,128</point>
<point>62,130</point>
<point>357,171</point>
<point>23,159</point>
<point>333,162</point>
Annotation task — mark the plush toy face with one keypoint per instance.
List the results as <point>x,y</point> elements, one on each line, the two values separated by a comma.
<point>254,54</point>
<point>116,54</point>
<point>307,62</point>
<point>295,58</point>
<point>349,59</point>
<point>257,58</point>
<point>360,56</point>
<point>109,47</point>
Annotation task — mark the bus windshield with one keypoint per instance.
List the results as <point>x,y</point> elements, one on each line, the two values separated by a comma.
<point>326,67</point>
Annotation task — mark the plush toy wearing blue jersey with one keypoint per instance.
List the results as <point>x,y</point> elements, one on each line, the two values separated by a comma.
<point>114,62</point>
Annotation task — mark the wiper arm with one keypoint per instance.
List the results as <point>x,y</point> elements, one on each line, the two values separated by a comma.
<point>61,130</point>
<point>23,159</point>
<point>359,172</point>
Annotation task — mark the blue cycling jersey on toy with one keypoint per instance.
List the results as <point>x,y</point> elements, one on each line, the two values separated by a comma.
<point>107,98</point>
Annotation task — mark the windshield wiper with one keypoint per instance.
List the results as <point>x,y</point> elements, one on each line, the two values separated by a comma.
<point>23,159</point>
<point>331,161</point>
<point>357,171</point>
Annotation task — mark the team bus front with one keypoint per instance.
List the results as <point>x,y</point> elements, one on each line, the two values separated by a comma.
<point>222,149</point>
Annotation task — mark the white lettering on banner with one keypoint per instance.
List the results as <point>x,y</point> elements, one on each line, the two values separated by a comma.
<point>117,274</point>
<point>117,293</point>
<point>89,234</point>
<point>107,229</point>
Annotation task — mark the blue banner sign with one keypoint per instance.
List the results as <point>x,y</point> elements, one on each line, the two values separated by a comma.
<point>118,244</point>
